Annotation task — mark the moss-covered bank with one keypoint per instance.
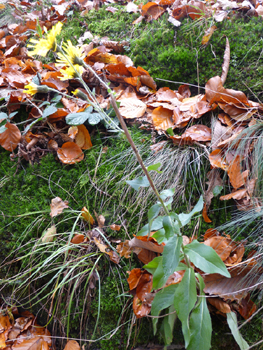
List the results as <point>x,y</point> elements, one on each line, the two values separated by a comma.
<point>176,54</point>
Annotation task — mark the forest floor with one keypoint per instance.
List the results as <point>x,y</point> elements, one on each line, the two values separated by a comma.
<point>84,238</point>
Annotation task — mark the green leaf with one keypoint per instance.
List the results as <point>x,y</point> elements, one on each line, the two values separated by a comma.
<point>185,218</point>
<point>167,193</point>
<point>159,277</point>
<point>232,323</point>
<point>44,104</point>
<point>2,129</point>
<point>163,299</point>
<point>217,190</point>
<point>11,115</point>
<point>184,300</point>
<point>154,211</point>
<point>3,115</point>
<point>171,228</point>
<point>155,267</point>
<point>170,131</point>
<point>35,79</point>
<point>56,98</point>
<point>78,118</point>
<point>200,327</point>
<point>205,258</point>
<point>152,265</point>
<point>155,167</point>
<point>171,255</point>
<point>48,111</point>
<point>157,224</point>
<point>168,325</point>
<point>94,118</point>
<point>160,236</point>
<point>141,181</point>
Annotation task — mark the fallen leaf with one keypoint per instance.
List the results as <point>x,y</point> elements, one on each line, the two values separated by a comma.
<point>87,216</point>
<point>10,138</point>
<point>72,345</point>
<point>57,206</point>
<point>208,33</point>
<point>132,108</point>
<point>50,233</point>
<point>70,153</point>
<point>115,227</point>
<point>220,305</point>
<point>162,118</point>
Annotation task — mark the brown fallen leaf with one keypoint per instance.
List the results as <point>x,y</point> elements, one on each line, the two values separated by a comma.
<point>115,227</point>
<point>57,206</point>
<point>105,249</point>
<point>220,305</point>
<point>10,138</point>
<point>82,137</point>
<point>72,345</point>
<point>87,216</point>
<point>70,153</point>
<point>208,33</point>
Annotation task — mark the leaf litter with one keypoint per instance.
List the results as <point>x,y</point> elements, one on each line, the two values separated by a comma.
<point>162,110</point>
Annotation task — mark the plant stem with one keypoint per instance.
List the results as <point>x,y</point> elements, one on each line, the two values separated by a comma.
<point>137,154</point>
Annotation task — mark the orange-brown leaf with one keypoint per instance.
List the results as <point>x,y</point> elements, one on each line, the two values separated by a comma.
<point>87,216</point>
<point>221,245</point>
<point>83,137</point>
<point>134,278</point>
<point>70,153</point>
<point>10,138</point>
<point>72,345</point>
<point>162,118</point>
<point>220,305</point>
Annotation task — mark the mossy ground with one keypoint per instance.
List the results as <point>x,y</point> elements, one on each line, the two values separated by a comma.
<point>176,54</point>
<point>28,189</point>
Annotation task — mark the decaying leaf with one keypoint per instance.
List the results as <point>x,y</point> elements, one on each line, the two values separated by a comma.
<point>10,138</point>
<point>115,227</point>
<point>57,206</point>
<point>105,249</point>
<point>208,33</point>
<point>72,345</point>
<point>70,153</point>
<point>87,216</point>
<point>132,108</point>
<point>49,234</point>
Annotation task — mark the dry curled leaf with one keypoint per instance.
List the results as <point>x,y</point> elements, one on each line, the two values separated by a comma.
<point>70,153</point>
<point>85,214</point>
<point>115,227</point>
<point>57,206</point>
<point>10,138</point>
<point>49,234</point>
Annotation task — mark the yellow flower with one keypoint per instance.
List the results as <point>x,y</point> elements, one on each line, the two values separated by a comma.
<point>42,46</point>
<point>80,94</point>
<point>70,72</point>
<point>33,88</point>
<point>73,55</point>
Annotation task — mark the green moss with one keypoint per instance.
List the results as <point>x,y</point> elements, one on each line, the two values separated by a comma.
<point>176,54</point>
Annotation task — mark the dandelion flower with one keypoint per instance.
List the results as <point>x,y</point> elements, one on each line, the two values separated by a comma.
<point>42,46</point>
<point>73,55</point>
<point>33,88</point>
<point>71,73</point>
<point>80,94</point>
